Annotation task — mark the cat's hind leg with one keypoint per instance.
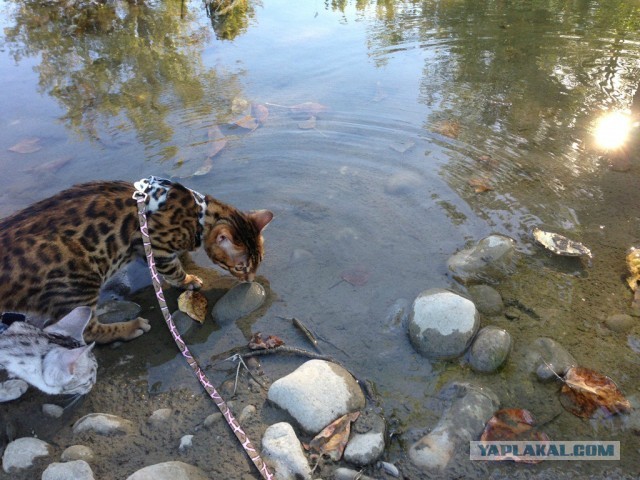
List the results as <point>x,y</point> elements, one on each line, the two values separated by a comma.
<point>111,332</point>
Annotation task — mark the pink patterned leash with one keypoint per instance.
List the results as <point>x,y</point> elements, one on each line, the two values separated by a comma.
<point>253,454</point>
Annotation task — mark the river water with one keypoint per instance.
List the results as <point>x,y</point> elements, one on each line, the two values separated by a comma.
<point>401,109</point>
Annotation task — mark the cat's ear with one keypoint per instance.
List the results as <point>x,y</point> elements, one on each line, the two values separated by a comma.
<point>261,218</point>
<point>70,358</point>
<point>73,324</point>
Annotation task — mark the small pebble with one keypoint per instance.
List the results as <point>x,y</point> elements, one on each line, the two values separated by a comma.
<point>52,410</point>
<point>620,322</point>
<point>77,452</point>
<point>186,442</point>
<point>212,419</point>
<point>247,412</point>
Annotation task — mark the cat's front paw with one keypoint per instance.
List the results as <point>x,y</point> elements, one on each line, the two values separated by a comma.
<point>191,282</point>
<point>140,325</point>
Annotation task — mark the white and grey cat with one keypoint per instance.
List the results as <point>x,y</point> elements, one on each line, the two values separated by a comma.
<point>56,359</point>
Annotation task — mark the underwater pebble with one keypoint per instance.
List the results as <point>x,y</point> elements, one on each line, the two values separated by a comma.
<point>442,323</point>
<point>247,412</point>
<point>389,468</point>
<point>51,410</point>
<point>160,416</point>
<point>490,349</point>
<point>212,419</point>
<point>169,471</point>
<point>545,352</point>
<point>489,261</point>
<point>487,299</point>
<point>283,450</point>
<point>634,343</point>
<point>620,322</point>
<point>21,453</point>
<point>239,302</point>
<point>77,452</point>
<point>76,470</point>
<point>402,183</point>
<point>103,424</point>
<point>348,474</point>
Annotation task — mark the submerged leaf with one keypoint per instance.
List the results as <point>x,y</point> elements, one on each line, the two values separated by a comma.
<point>586,393</point>
<point>217,141</point>
<point>357,276</point>
<point>247,122</point>
<point>448,128</point>
<point>258,343</point>
<point>308,124</point>
<point>51,166</point>
<point>260,112</point>
<point>332,440</point>
<point>194,304</point>
<point>560,245</point>
<point>309,108</point>
<point>513,424</point>
<point>27,145</point>
<point>480,185</point>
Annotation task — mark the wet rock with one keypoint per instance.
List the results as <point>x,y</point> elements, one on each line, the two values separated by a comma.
<point>186,442</point>
<point>491,260</point>
<point>160,417</point>
<point>184,323</point>
<point>487,299</point>
<point>300,255</point>
<point>389,468</point>
<point>12,389</point>
<point>77,452</point>
<point>402,183</point>
<point>51,410</point>
<point>442,323</point>
<point>283,451</point>
<point>367,439</point>
<point>317,393</point>
<point>169,471</point>
<point>22,452</point>
<point>246,413</point>
<point>212,419</point>
<point>544,353</point>
<point>126,281</point>
<point>620,322</point>
<point>348,474</point>
<point>76,469</point>
<point>103,424</point>
<point>113,311</point>
<point>472,406</point>
<point>490,349</point>
<point>238,302</point>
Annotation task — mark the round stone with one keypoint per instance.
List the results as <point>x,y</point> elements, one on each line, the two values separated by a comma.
<point>487,299</point>
<point>491,260</point>
<point>239,302</point>
<point>442,323</point>
<point>490,349</point>
<point>620,322</point>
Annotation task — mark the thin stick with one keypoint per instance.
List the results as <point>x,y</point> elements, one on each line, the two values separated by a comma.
<point>303,328</point>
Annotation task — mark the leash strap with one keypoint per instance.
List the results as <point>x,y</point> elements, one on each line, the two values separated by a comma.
<point>253,454</point>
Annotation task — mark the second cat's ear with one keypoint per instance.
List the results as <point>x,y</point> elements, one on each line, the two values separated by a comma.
<point>261,218</point>
<point>69,358</point>
<point>73,324</point>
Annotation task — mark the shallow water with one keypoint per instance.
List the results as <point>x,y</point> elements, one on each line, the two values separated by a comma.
<point>422,97</point>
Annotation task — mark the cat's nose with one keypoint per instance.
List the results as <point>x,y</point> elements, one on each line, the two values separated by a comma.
<point>249,277</point>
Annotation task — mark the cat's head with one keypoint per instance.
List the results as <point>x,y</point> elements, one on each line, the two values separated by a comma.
<point>69,367</point>
<point>234,241</point>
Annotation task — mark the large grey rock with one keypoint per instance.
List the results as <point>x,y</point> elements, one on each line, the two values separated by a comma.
<point>283,451</point>
<point>169,471</point>
<point>239,302</point>
<point>22,452</point>
<point>472,406</point>
<point>103,424</point>
<point>491,260</point>
<point>76,470</point>
<point>317,393</point>
<point>490,349</point>
<point>442,323</point>
<point>547,358</point>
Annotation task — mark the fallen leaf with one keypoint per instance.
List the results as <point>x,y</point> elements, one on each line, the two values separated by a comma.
<point>487,161</point>
<point>309,108</point>
<point>480,185</point>
<point>194,304</point>
<point>448,128</point>
<point>586,393</point>
<point>247,122</point>
<point>50,167</point>
<point>260,112</point>
<point>26,145</point>
<point>205,168</point>
<point>308,124</point>
<point>258,343</point>
<point>332,440</point>
<point>357,276</point>
<point>217,141</point>
<point>513,424</point>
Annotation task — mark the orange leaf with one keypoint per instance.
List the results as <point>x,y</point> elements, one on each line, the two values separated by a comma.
<point>247,122</point>
<point>26,145</point>
<point>332,440</point>
<point>586,393</point>
<point>480,185</point>
<point>258,343</point>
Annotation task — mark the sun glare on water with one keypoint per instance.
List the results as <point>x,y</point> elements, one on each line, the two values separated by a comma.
<point>612,130</point>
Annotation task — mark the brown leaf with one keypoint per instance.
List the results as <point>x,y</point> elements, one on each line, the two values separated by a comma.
<point>308,124</point>
<point>332,440</point>
<point>50,167</point>
<point>26,145</point>
<point>309,108</point>
<point>194,304</point>
<point>258,343</point>
<point>260,112</point>
<point>217,141</point>
<point>247,122</point>
<point>448,128</point>
<point>357,276</point>
<point>586,393</point>
<point>480,185</point>
<point>512,424</point>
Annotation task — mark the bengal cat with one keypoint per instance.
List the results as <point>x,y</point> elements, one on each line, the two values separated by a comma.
<point>57,253</point>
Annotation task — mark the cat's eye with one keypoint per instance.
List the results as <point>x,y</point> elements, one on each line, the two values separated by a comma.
<point>240,268</point>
